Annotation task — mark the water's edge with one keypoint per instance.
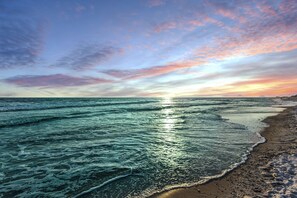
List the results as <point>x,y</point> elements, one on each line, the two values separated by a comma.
<point>224,172</point>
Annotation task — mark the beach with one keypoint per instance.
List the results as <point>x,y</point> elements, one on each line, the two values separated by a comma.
<point>270,170</point>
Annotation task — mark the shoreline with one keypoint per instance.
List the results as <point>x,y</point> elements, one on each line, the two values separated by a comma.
<point>252,177</point>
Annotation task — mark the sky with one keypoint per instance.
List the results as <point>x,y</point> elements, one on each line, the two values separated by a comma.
<point>148,48</point>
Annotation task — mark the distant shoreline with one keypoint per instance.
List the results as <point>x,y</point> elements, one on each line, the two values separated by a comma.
<point>253,177</point>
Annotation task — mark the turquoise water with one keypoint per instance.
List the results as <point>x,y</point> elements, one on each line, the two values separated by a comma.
<point>122,147</point>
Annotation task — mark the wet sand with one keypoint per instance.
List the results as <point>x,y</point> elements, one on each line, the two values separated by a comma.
<point>257,176</point>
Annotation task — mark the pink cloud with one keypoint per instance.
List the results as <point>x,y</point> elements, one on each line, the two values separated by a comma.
<point>255,37</point>
<point>226,13</point>
<point>202,21</point>
<point>227,10</point>
<point>265,33</point>
<point>186,24</point>
<point>270,86</point>
<point>253,87</point>
<point>152,71</point>
<point>266,8</point>
<point>196,23</point>
<point>286,6</point>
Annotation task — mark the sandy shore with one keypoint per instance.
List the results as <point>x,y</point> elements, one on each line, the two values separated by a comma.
<point>258,176</point>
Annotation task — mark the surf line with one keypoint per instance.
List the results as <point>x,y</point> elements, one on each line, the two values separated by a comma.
<point>103,184</point>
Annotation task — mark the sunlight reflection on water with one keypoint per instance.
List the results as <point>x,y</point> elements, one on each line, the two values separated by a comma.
<point>171,148</point>
<point>169,120</point>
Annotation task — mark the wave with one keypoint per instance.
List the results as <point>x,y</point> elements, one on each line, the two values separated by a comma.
<point>29,122</point>
<point>76,106</point>
<point>83,193</point>
<point>40,120</point>
<point>176,105</point>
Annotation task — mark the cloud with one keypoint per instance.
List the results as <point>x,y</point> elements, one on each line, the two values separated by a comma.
<point>151,71</point>
<point>288,6</point>
<point>266,86</point>
<point>266,7</point>
<point>189,24</point>
<point>252,87</point>
<point>239,11</point>
<point>262,35</point>
<point>275,65</point>
<point>208,13</point>
<point>165,26</point>
<point>55,80</point>
<point>228,9</point>
<point>254,37</point>
<point>87,57</point>
<point>269,75</point>
<point>21,40</point>
<point>155,3</point>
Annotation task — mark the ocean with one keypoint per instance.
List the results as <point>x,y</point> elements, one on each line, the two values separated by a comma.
<point>123,147</point>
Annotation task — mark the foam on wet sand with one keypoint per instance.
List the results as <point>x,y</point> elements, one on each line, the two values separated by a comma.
<point>281,173</point>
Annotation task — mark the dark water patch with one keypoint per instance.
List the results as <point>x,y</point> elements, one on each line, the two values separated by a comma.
<point>37,120</point>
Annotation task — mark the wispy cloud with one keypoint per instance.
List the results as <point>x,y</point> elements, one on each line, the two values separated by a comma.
<point>155,3</point>
<point>228,9</point>
<point>151,71</point>
<point>206,34</point>
<point>208,13</point>
<point>269,75</point>
<point>55,80</point>
<point>266,8</point>
<point>21,40</point>
<point>265,86</point>
<point>87,57</point>
<point>189,24</point>
<point>165,26</point>
<point>248,46</point>
<point>265,34</point>
<point>255,37</point>
<point>253,87</point>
